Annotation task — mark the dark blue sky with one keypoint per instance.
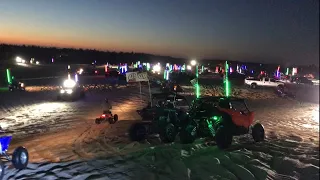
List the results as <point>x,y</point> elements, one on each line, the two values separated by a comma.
<point>256,30</point>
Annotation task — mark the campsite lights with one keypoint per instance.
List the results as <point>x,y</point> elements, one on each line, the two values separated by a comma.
<point>193,62</point>
<point>287,71</point>
<point>148,66</point>
<point>294,71</point>
<point>278,72</point>
<point>156,68</point>
<point>188,67</point>
<point>183,68</point>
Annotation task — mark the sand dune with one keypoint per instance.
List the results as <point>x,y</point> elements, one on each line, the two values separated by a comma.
<point>65,143</point>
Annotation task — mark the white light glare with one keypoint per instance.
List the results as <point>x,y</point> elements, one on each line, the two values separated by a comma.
<point>69,91</point>
<point>156,68</point>
<point>18,60</point>
<point>188,67</point>
<point>193,62</point>
<point>69,83</point>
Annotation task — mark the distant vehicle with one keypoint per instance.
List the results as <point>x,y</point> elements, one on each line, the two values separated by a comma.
<point>209,75</point>
<point>16,86</point>
<point>71,90</point>
<point>112,73</point>
<point>301,80</point>
<point>264,82</point>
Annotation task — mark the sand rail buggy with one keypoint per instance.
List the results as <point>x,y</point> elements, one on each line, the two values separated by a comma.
<point>16,86</point>
<point>163,100</point>
<point>19,159</point>
<point>220,118</point>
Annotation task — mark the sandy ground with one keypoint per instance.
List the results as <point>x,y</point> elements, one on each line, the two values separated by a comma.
<point>65,143</point>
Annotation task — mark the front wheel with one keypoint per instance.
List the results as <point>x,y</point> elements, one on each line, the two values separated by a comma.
<point>223,137</point>
<point>188,134</point>
<point>20,158</point>
<point>115,117</point>
<point>258,133</point>
<point>253,85</point>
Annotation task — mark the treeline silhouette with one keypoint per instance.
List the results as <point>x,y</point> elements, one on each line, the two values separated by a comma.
<point>8,52</point>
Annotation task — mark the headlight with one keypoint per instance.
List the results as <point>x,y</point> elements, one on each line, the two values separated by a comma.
<point>62,91</point>
<point>22,85</point>
<point>69,91</point>
<point>69,83</point>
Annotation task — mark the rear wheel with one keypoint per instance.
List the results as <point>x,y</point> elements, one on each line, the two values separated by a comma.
<point>115,117</point>
<point>253,86</point>
<point>258,133</point>
<point>20,158</point>
<point>281,87</point>
<point>98,121</point>
<point>168,134</point>
<point>223,137</point>
<point>188,134</point>
<point>138,132</point>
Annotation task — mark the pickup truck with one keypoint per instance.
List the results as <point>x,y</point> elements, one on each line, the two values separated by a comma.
<point>264,82</point>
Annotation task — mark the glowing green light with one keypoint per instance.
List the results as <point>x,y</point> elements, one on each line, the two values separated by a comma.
<point>164,74</point>
<point>226,81</point>
<point>167,75</point>
<point>148,66</point>
<point>215,117</point>
<point>9,76</point>
<point>197,84</point>
<point>183,68</point>
<point>287,72</point>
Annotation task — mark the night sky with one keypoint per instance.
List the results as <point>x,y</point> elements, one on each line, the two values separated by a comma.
<point>254,30</point>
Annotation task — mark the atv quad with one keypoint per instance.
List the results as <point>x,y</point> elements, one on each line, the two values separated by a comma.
<point>108,117</point>
<point>220,118</point>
